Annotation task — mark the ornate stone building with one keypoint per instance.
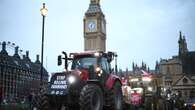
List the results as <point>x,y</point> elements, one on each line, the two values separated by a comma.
<point>94,28</point>
<point>19,76</point>
<point>179,71</point>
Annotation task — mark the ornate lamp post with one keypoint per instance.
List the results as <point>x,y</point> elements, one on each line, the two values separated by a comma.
<point>116,68</point>
<point>43,13</point>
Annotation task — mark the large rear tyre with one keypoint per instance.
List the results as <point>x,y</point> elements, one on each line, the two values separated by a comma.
<point>41,101</point>
<point>91,98</point>
<point>116,98</point>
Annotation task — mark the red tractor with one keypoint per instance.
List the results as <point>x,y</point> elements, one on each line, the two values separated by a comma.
<point>89,85</point>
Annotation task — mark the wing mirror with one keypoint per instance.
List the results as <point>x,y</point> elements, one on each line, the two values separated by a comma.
<point>59,60</point>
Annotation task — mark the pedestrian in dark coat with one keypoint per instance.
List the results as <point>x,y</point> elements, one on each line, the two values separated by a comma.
<point>1,95</point>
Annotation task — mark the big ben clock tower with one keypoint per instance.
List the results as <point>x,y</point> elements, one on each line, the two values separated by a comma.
<point>94,28</point>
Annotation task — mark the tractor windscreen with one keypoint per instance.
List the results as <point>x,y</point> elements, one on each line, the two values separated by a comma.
<point>84,62</point>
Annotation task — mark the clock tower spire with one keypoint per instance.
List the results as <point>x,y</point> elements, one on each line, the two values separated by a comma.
<point>94,28</point>
<point>95,1</point>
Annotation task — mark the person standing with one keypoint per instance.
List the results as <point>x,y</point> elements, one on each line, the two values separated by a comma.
<point>1,95</point>
<point>30,100</point>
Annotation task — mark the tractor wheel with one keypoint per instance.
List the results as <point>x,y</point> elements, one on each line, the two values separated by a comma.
<point>116,99</point>
<point>91,97</point>
<point>40,101</point>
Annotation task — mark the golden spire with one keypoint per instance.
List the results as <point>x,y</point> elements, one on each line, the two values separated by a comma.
<point>95,1</point>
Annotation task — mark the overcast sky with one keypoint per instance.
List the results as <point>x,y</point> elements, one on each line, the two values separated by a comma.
<point>138,30</point>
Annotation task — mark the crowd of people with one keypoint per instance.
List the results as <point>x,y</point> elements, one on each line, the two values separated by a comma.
<point>25,102</point>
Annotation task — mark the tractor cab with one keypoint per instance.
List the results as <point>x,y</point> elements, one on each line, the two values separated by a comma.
<point>93,62</point>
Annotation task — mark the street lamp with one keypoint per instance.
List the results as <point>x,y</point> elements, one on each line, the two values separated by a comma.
<point>116,68</point>
<point>43,13</point>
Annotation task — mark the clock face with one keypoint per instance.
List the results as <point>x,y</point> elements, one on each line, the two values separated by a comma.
<point>91,25</point>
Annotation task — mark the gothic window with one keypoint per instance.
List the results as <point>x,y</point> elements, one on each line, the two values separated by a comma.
<point>94,43</point>
<point>185,93</point>
<point>185,80</point>
<point>89,42</point>
<point>16,62</point>
<point>28,66</point>
<point>192,93</point>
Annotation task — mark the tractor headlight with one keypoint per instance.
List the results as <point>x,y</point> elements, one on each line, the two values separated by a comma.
<point>97,54</point>
<point>71,79</point>
<point>99,71</point>
<point>150,89</point>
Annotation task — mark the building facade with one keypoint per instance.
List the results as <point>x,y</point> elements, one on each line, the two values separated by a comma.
<point>94,28</point>
<point>19,76</point>
<point>178,73</point>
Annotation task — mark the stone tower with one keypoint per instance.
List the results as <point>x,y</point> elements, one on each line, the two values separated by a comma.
<point>182,44</point>
<point>94,28</point>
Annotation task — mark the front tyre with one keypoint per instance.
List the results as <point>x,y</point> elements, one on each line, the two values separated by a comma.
<point>40,101</point>
<point>91,97</point>
<point>116,97</point>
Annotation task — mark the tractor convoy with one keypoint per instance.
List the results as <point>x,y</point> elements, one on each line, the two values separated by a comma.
<point>89,84</point>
